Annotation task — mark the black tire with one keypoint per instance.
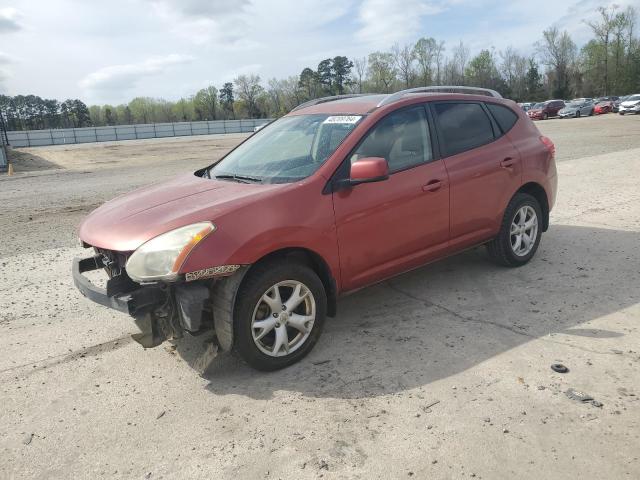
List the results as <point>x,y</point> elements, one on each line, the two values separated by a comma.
<point>577,113</point>
<point>621,113</point>
<point>500,249</point>
<point>591,113</point>
<point>258,281</point>
<point>545,116</point>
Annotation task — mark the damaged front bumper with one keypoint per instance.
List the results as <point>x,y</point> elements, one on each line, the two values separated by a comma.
<point>161,311</point>
<point>132,302</point>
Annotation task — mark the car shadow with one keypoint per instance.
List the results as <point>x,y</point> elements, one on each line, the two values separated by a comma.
<point>446,317</point>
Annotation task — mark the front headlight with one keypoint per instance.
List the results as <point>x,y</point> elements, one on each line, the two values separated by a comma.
<point>162,257</point>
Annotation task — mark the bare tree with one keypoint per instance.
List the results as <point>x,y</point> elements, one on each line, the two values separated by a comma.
<point>459,63</point>
<point>360,65</point>
<point>513,69</point>
<point>403,59</point>
<point>439,59</point>
<point>248,89</point>
<point>603,30</point>
<point>558,52</point>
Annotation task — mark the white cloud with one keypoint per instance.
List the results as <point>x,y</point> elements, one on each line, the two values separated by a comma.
<point>9,20</point>
<point>104,51</point>
<point>204,8</point>
<point>125,77</point>
<point>385,22</point>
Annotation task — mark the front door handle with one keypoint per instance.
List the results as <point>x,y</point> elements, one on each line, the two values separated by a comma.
<point>432,186</point>
<point>507,162</point>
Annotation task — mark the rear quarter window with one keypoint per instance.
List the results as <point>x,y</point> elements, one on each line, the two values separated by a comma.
<point>463,126</point>
<point>504,116</point>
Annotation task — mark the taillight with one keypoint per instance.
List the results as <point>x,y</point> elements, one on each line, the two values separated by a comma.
<point>549,144</point>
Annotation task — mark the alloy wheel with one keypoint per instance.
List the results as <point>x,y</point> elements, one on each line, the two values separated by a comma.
<point>283,318</point>
<point>524,230</point>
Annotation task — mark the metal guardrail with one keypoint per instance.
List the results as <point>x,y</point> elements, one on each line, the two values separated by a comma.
<point>64,136</point>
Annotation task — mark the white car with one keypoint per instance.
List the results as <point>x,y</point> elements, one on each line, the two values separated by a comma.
<point>630,105</point>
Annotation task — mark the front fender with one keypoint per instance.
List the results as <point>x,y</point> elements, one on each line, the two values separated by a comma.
<point>297,218</point>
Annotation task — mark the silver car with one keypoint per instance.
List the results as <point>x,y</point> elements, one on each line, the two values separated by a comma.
<point>577,108</point>
<point>630,105</point>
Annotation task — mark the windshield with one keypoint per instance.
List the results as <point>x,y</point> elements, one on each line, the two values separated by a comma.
<point>633,98</point>
<point>538,105</point>
<point>290,149</point>
<point>575,103</point>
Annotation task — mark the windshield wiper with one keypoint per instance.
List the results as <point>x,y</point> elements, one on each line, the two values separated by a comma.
<point>240,178</point>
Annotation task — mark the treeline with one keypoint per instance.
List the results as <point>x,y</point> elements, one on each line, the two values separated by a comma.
<point>30,112</point>
<point>609,64</point>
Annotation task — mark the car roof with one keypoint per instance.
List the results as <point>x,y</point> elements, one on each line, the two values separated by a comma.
<point>361,105</point>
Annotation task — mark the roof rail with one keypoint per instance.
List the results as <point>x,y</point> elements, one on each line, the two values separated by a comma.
<point>316,101</point>
<point>436,88</point>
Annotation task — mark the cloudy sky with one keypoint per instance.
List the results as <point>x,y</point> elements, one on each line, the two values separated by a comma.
<point>111,51</point>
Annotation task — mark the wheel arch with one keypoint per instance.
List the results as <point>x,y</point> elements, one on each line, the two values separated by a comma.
<point>315,262</point>
<point>538,192</point>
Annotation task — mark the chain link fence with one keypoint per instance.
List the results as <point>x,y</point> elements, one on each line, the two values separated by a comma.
<point>63,136</point>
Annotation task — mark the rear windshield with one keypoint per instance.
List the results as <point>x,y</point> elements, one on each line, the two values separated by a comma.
<point>288,150</point>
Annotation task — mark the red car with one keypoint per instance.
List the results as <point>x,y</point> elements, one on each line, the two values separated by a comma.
<point>603,107</point>
<point>544,110</point>
<point>341,193</point>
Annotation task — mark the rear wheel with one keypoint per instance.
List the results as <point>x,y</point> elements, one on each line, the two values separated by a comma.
<point>279,315</point>
<point>519,234</point>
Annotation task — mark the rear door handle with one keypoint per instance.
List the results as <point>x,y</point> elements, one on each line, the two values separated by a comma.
<point>432,186</point>
<point>507,162</point>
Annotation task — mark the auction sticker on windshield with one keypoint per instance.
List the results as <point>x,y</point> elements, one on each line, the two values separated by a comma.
<point>343,119</point>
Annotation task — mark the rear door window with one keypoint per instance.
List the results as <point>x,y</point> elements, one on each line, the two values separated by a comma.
<point>462,126</point>
<point>504,116</point>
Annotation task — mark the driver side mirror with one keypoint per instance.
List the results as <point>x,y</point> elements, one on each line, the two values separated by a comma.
<point>367,170</point>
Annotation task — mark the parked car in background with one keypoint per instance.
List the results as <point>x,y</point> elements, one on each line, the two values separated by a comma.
<point>616,104</point>
<point>544,110</point>
<point>605,106</point>
<point>526,106</point>
<point>611,98</point>
<point>577,107</point>
<point>341,193</point>
<point>630,105</point>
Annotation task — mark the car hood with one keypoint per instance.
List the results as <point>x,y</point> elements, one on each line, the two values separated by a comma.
<point>630,103</point>
<point>126,222</point>
<point>534,110</point>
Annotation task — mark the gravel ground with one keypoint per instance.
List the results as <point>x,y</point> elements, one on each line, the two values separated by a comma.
<point>440,373</point>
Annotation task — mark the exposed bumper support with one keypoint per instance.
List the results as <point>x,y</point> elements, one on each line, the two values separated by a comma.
<point>133,303</point>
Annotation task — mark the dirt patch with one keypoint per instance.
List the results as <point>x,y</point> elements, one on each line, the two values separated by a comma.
<point>30,161</point>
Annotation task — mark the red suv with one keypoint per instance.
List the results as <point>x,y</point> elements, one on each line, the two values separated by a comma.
<point>544,110</point>
<point>341,193</point>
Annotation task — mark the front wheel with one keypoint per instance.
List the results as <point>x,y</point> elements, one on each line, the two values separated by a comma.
<point>519,234</point>
<point>279,314</point>
<point>578,114</point>
<point>545,116</point>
